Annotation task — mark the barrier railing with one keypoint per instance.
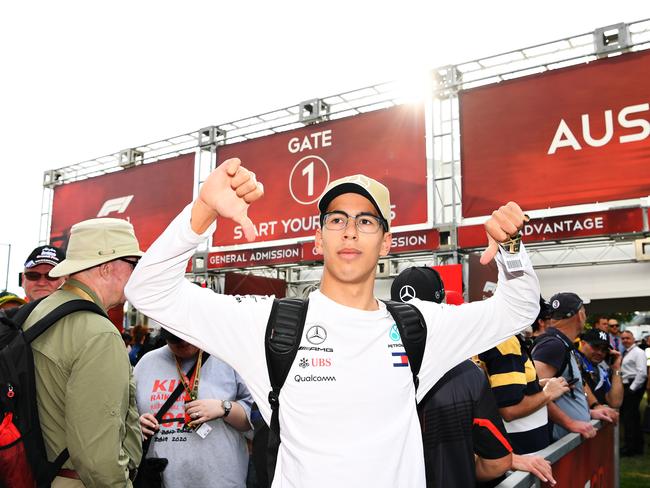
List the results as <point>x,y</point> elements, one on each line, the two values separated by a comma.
<point>578,462</point>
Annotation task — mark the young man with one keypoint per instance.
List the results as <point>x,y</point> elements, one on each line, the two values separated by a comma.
<point>347,417</point>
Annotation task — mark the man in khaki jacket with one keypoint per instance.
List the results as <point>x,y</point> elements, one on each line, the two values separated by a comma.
<point>84,382</point>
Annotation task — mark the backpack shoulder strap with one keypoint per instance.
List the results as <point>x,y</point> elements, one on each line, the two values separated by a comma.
<point>281,342</point>
<point>549,336</point>
<point>413,331</point>
<point>18,315</point>
<point>58,313</point>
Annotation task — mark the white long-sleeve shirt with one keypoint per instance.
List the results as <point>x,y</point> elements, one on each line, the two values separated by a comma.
<point>347,410</point>
<point>633,368</point>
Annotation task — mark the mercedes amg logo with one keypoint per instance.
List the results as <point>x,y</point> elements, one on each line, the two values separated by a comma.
<point>406,293</point>
<point>316,335</point>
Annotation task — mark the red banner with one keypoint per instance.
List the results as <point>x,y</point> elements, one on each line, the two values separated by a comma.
<point>413,241</point>
<point>590,464</point>
<point>568,136</point>
<point>417,240</point>
<point>610,222</point>
<point>296,166</point>
<point>266,256</point>
<point>148,196</point>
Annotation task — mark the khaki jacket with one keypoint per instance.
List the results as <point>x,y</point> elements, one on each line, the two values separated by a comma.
<point>85,392</point>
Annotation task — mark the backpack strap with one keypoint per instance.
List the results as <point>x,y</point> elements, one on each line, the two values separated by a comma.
<point>566,360</point>
<point>57,314</point>
<point>281,342</point>
<point>41,326</point>
<point>413,331</point>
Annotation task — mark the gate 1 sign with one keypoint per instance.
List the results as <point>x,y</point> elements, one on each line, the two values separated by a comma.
<point>149,196</point>
<point>296,166</point>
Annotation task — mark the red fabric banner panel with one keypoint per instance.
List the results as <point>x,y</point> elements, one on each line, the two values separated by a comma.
<point>568,136</point>
<point>590,464</point>
<point>149,196</point>
<point>609,222</point>
<point>296,166</point>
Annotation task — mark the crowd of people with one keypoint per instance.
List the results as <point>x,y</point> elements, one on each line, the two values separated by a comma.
<point>370,399</point>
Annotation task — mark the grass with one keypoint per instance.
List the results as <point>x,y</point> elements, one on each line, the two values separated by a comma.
<point>635,471</point>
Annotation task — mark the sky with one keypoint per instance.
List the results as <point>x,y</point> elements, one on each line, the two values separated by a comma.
<point>82,79</point>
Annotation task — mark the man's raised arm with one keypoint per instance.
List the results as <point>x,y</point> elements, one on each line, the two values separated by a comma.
<point>158,287</point>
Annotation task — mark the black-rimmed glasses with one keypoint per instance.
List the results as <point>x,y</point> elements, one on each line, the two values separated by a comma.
<point>365,222</point>
<point>133,262</point>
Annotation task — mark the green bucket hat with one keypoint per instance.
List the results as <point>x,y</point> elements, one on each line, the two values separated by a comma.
<point>97,241</point>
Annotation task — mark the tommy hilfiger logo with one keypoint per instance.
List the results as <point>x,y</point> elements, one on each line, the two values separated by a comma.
<point>400,359</point>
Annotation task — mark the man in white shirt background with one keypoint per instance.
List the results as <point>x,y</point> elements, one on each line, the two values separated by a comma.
<point>634,372</point>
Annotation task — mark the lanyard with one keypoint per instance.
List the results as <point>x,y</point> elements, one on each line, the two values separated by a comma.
<point>191,385</point>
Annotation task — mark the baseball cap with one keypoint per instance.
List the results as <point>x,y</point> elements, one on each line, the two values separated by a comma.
<point>97,241</point>
<point>9,298</point>
<point>168,336</point>
<point>565,305</point>
<point>44,255</point>
<point>371,189</point>
<point>596,338</point>
<point>418,282</point>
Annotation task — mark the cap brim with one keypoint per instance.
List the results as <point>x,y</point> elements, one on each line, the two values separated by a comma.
<point>343,188</point>
<point>70,266</point>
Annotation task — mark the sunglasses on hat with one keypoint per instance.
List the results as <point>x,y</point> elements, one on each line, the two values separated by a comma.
<point>35,276</point>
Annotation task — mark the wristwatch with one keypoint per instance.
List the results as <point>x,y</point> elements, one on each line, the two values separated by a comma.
<point>618,372</point>
<point>227,407</point>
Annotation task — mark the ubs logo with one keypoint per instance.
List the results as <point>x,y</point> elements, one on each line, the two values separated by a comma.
<point>316,335</point>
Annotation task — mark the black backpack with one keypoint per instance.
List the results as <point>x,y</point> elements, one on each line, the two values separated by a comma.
<point>553,335</point>
<point>18,384</point>
<point>283,333</point>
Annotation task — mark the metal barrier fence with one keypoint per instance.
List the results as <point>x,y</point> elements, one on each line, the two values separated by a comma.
<point>599,466</point>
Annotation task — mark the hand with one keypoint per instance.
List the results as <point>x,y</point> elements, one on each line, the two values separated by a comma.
<point>605,413</point>
<point>585,429</point>
<point>200,411</point>
<point>229,191</point>
<point>149,425</point>
<point>500,227</point>
<point>554,388</point>
<point>536,465</point>
<point>618,359</point>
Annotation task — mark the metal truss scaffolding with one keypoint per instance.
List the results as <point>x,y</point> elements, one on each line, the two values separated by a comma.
<point>440,94</point>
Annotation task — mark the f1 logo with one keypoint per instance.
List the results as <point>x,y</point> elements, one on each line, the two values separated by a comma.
<point>115,205</point>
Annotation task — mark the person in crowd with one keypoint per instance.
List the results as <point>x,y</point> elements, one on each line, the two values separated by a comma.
<point>140,335</point>
<point>615,339</point>
<point>602,324</point>
<point>605,384</point>
<point>543,320</point>
<point>521,399</point>
<point>463,436</point>
<point>10,300</point>
<point>36,280</point>
<point>84,386</point>
<point>328,415</point>
<point>126,337</point>
<point>202,434</point>
<point>635,372</point>
<point>554,355</point>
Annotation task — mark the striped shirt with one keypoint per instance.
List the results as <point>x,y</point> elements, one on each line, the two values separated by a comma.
<point>512,377</point>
